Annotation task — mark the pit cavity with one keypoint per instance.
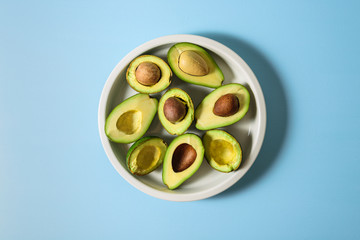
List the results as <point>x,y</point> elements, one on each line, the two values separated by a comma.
<point>148,157</point>
<point>222,152</point>
<point>129,122</point>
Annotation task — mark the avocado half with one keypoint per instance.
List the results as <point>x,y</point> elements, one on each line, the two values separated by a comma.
<point>191,63</point>
<point>145,155</point>
<point>204,114</point>
<point>131,119</point>
<point>179,127</point>
<point>165,74</point>
<point>222,151</point>
<point>182,159</point>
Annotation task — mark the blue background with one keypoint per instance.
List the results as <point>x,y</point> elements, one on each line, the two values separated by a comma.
<point>56,181</point>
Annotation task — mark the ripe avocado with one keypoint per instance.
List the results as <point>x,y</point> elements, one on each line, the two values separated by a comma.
<point>191,63</point>
<point>148,74</point>
<point>176,111</point>
<point>129,120</point>
<point>182,159</point>
<point>222,107</point>
<point>222,151</point>
<point>145,155</point>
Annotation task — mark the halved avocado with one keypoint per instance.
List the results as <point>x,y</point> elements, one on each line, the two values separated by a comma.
<point>191,63</point>
<point>131,119</point>
<point>222,151</point>
<point>182,159</point>
<point>145,155</point>
<point>176,111</point>
<point>222,107</point>
<point>148,74</point>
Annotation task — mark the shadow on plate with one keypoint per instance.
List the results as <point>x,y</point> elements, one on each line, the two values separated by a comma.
<point>276,106</point>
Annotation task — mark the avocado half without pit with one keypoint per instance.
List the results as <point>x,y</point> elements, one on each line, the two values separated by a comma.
<point>145,155</point>
<point>176,111</point>
<point>222,107</point>
<point>182,159</point>
<point>129,121</point>
<point>222,151</point>
<point>148,74</point>
<point>192,63</point>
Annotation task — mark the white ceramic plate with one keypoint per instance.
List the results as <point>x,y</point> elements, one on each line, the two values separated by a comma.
<point>249,131</point>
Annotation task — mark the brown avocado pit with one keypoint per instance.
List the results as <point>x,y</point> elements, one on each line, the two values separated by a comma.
<point>183,157</point>
<point>147,73</point>
<point>227,105</point>
<point>174,109</point>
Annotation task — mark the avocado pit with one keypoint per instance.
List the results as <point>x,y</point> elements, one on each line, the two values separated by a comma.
<point>192,63</point>
<point>147,73</point>
<point>227,105</point>
<point>174,109</point>
<point>183,157</point>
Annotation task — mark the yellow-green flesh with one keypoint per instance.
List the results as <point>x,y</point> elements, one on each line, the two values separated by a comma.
<point>131,118</point>
<point>180,127</point>
<point>174,179</point>
<point>146,156</point>
<point>213,79</point>
<point>129,122</point>
<point>206,119</point>
<point>222,151</point>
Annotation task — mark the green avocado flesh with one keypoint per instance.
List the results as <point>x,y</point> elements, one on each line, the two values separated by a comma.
<point>179,127</point>
<point>206,119</point>
<point>165,74</point>
<point>130,119</point>
<point>145,155</point>
<point>177,155</point>
<point>213,78</point>
<point>222,150</point>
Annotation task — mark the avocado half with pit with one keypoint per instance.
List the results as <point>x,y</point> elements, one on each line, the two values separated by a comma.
<point>176,111</point>
<point>145,155</point>
<point>129,121</point>
<point>222,151</point>
<point>148,74</point>
<point>192,63</point>
<point>182,159</point>
<point>222,107</point>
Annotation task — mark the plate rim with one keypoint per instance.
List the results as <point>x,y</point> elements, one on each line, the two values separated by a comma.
<point>206,43</point>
